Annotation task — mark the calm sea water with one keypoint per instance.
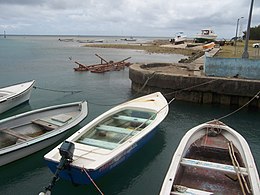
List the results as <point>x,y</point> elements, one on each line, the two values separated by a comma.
<point>46,60</point>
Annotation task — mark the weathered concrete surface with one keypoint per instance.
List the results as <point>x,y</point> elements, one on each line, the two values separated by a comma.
<point>179,82</point>
<point>228,67</point>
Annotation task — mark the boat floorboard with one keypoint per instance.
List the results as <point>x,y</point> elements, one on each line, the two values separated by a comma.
<point>204,179</point>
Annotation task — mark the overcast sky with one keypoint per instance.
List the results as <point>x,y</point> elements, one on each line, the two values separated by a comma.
<point>161,18</point>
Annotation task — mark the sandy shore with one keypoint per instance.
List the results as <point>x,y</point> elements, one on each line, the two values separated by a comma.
<point>157,46</point>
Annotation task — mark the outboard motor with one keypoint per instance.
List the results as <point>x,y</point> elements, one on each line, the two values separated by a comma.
<point>66,151</point>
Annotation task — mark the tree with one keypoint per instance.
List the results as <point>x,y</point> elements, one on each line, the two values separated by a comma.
<point>254,33</point>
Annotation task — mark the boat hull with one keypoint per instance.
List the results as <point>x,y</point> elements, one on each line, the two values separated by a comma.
<point>204,39</point>
<point>77,175</point>
<point>28,149</point>
<point>16,99</point>
<point>204,163</point>
<point>20,149</point>
<point>110,139</point>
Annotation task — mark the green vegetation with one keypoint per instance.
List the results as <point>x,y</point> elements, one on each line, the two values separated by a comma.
<point>254,33</point>
<point>228,51</point>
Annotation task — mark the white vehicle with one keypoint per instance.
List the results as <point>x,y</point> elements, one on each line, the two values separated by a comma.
<point>256,45</point>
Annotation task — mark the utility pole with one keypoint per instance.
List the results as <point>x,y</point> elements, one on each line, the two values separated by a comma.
<point>236,35</point>
<point>245,54</point>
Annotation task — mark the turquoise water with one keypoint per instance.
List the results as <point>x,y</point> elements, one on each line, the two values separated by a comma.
<point>46,60</point>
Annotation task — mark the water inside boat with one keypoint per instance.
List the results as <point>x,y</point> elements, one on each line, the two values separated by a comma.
<point>207,168</point>
<point>117,128</point>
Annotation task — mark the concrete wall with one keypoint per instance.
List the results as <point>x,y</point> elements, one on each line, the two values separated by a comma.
<point>232,67</point>
<point>228,91</point>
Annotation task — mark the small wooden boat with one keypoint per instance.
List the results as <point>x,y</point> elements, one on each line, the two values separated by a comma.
<point>108,140</point>
<point>15,95</point>
<point>103,67</point>
<point>212,158</point>
<point>208,46</point>
<point>26,133</point>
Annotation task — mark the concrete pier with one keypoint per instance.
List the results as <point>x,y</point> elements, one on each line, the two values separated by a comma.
<point>187,82</point>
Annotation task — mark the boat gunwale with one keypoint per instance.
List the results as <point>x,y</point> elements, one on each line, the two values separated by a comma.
<point>189,138</point>
<point>48,135</point>
<point>14,95</point>
<point>161,110</point>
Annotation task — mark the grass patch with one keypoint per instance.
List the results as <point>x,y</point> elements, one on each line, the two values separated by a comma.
<point>228,51</point>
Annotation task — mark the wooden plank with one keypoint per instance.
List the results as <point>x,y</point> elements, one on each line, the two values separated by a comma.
<point>15,134</point>
<point>132,119</point>
<point>99,143</point>
<point>62,118</point>
<point>211,165</point>
<point>116,129</point>
<point>45,124</point>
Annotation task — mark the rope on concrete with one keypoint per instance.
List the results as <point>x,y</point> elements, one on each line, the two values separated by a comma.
<point>201,84</point>
<point>145,83</point>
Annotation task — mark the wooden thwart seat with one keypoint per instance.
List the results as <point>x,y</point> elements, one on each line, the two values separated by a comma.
<point>47,124</point>
<point>133,119</point>
<point>53,122</point>
<point>116,129</point>
<point>15,134</point>
<point>211,165</point>
<point>99,143</point>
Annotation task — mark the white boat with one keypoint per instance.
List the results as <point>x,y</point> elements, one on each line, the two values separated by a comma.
<point>212,158</point>
<point>128,39</point>
<point>179,38</point>
<point>15,95</point>
<point>206,35</point>
<point>26,133</point>
<point>108,140</point>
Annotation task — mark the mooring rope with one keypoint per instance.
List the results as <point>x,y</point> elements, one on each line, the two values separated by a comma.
<point>133,96</point>
<point>85,171</point>
<point>145,83</point>
<point>235,111</point>
<point>55,90</point>
<point>194,86</point>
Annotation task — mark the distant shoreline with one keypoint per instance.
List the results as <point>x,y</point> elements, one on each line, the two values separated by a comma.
<point>157,46</point>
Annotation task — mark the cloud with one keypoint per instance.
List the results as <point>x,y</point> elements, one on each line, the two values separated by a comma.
<point>124,17</point>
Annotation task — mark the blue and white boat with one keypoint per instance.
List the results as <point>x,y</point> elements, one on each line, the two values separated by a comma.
<point>108,140</point>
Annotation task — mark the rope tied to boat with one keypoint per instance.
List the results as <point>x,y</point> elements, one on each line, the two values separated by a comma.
<point>85,171</point>
<point>55,90</point>
<point>237,169</point>
<point>256,96</point>
<point>191,87</point>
